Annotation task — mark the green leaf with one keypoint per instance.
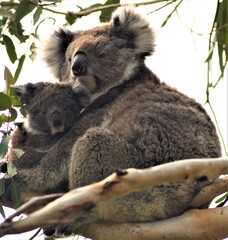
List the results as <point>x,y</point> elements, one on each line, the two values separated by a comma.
<point>4,145</point>
<point>33,50</point>
<point>5,101</point>
<point>4,118</point>
<point>4,12</point>
<point>106,14</point>
<point>15,194</point>
<point>10,48</point>
<point>70,19</point>
<point>16,100</point>
<point>24,8</point>
<point>2,186</point>
<point>2,211</point>
<point>90,7</point>
<point>19,67</point>
<point>23,111</point>
<point>18,152</point>
<point>15,28</point>
<point>13,114</point>
<point>222,31</point>
<point>11,169</point>
<point>9,79</point>
<point>36,15</point>
<point>210,54</point>
<point>222,198</point>
<point>36,234</point>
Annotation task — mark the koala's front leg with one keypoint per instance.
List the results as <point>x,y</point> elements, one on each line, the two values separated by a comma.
<point>97,154</point>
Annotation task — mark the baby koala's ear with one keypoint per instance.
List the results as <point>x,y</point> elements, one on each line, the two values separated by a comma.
<point>82,94</point>
<point>26,91</point>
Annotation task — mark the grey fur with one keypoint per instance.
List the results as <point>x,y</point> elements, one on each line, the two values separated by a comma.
<point>133,121</point>
<point>35,139</point>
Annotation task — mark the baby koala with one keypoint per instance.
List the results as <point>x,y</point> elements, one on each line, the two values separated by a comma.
<point>52,109</point>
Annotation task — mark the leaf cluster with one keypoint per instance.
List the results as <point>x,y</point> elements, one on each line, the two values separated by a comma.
<point>218,41</point>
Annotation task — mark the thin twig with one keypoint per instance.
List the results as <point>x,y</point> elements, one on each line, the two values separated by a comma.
<point>97,9</point>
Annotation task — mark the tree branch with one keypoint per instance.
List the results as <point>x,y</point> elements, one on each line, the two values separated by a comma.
<point>80,201</point>
<point>97,9</point>
<point>207,194</point>
<point>85,12</point>
<point>194,224</point>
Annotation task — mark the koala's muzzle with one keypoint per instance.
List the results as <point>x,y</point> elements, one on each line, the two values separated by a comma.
<point>57,122</point>
<point>80,64</point>
<point>56,119</point>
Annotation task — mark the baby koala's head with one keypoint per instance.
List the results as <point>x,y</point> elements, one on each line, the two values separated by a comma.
<point>52,107</point>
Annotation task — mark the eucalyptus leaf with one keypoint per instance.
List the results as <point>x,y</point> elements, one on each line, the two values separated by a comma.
<point>23,111</point>
<point>36,234</point>
<point>24,8</point>
<point>106,14</point>
<point>70,19</point>
<point>36,15</point>
<point>96,5</point>
<point>18,152</point>
<point>11,169</point>
<point>19,67</point>
<point>9,79</point>
<point>15,28</point>
<point>15,194</point>
<point>33,51</point>
<point>13,114</point>
<point>16,100</point>
<point>5,101</point>
<point>10,48</point>
<point>222,198</point>
<point>4,145</point>
<point>2,210</point>
<point>222,31</point>
<point>2,186</point>
<point>4,118</point>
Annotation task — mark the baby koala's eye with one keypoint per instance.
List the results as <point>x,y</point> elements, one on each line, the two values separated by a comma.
<point>65,109</point>
<point>102,55</point>
<point>69,59</point>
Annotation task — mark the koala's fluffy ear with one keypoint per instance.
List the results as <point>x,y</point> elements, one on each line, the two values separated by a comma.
<point>83,95</point>
<point>136,28</point>
<point>26,91</point>
<point>54,49</point>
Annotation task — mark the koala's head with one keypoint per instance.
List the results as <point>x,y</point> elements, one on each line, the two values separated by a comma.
<point>52,107</point>
<point>102,57</point>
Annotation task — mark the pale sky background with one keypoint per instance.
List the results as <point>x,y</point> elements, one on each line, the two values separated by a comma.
<point>178,59</point>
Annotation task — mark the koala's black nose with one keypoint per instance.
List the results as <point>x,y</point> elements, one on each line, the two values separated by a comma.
<point>56,119</point>
<point>80,64</point>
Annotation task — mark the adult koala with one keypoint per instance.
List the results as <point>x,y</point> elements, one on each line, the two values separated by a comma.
<point>133,121</point>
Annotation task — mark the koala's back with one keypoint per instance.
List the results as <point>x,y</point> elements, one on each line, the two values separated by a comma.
<point>163,124</point>
<point>154,124</point>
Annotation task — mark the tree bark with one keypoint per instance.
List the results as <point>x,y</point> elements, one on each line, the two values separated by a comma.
<point>194,224</point>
